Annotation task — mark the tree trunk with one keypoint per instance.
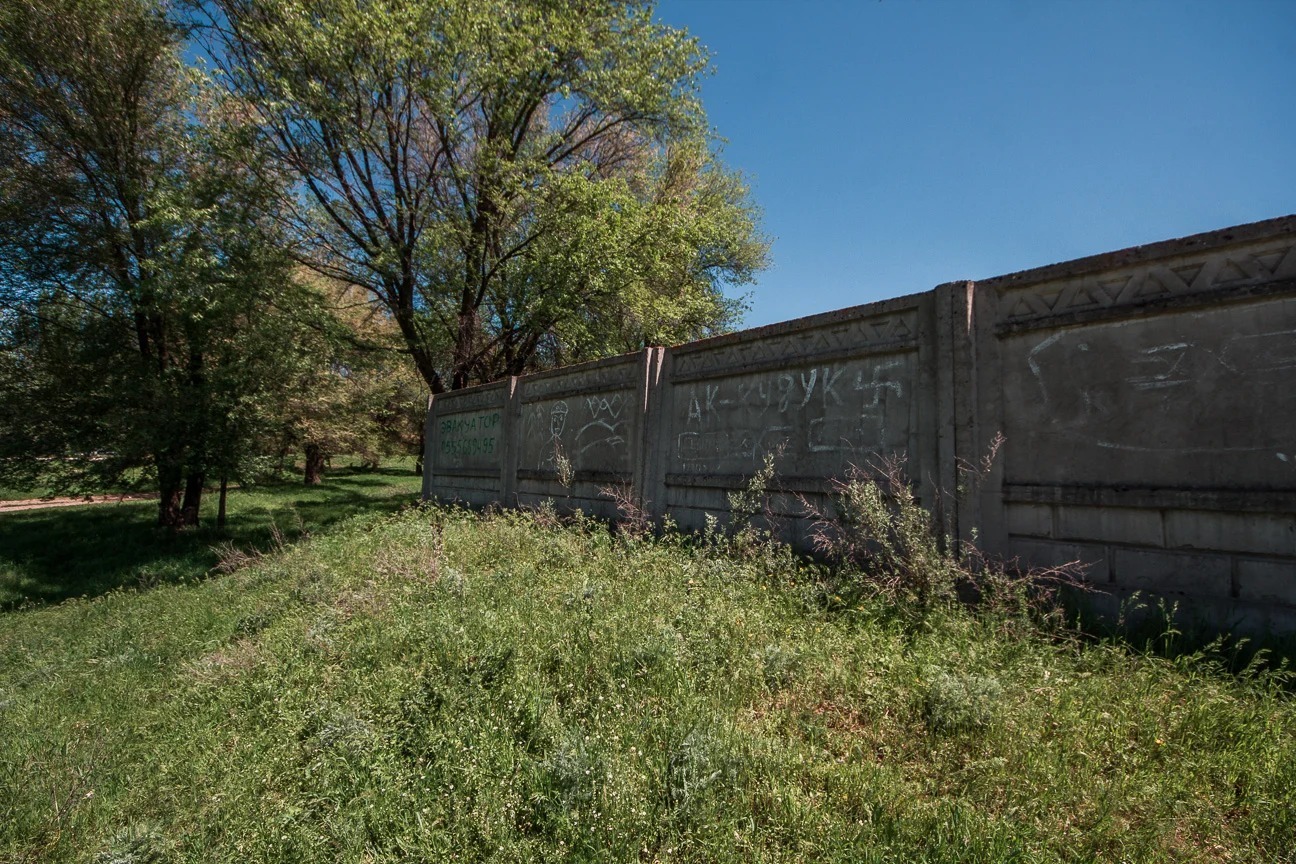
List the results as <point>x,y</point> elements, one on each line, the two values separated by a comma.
<point>422,445</point>
<point>168,497</point>
<point>314,465</point>
<point>169,508</point>
<point>220,512</point>
<point>192,499</point>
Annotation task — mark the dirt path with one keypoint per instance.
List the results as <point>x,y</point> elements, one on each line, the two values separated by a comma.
<point>47,503</point>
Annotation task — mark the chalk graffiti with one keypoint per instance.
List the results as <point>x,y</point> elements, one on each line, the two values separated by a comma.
<point>557,424</point>
<point>1165,364</point>
<point>746,444</point>
<point>464,437</point>
<point>590,432</point>
<point>603,427</point>
<point>843,408</point>
<point>1112,389</point>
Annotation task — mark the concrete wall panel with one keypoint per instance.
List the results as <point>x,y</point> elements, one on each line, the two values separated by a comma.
<point>1113,524</point>
<point>1147,400</point>
<point>1092,558</point>
<point>823,394</point>
<point>1273,534</point>
<point>1266,582</point>
<point>1030,520</point>
<point>1139,406</point>
<point>467,445</point>
<point>1206,576</point>
<point>580,432</point>
<point>1182,399</point>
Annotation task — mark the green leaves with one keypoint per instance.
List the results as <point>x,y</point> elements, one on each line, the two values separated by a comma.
<point>493,172</point>
<point>509,185</point>
<point>143,263</point>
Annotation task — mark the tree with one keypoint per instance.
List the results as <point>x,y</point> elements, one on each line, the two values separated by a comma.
<point>351,389</point>
<point>136,269</point>
<point>516,183</point>
<point>636,264</point>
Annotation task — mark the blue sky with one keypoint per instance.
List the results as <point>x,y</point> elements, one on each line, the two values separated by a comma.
<point>896,145</point>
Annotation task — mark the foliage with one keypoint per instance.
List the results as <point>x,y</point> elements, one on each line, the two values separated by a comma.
<point>886,538</point>
<point>956,702</point>
<point>883,540</point>
<point>752,499</point>
<point>444,686</point>
<point>347,389</point>
<point>137,265</point>
<point>517,184</point>
<point>469,200</point>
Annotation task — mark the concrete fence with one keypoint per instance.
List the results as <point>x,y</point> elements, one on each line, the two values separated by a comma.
<point>1146,399</point>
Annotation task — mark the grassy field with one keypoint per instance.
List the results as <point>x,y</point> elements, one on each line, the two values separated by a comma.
<point>51,555</point>
<point>438,686</point>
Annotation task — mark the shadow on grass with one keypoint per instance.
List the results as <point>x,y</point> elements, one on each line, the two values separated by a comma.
<point>47,556</point>
<point>1154,626</point>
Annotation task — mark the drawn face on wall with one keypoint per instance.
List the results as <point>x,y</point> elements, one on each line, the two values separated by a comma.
<point>558,420</point>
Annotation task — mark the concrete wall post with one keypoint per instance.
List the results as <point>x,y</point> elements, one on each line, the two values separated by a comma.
<point>509,437</point>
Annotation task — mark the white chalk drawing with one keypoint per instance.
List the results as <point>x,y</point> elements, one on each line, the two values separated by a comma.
<point>603,426</point>
<point>554,454</point>
<point>1033,363</point>
<point>1166,365</point>
<point>747,445</point>
<point>558,420</point>
<point>696,406</point>
<point>832,408</point>
<point>1211,394</point>
<point>590,431</point>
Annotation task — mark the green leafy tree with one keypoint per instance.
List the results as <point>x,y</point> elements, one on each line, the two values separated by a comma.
<point>352,390</point>
<point>516,183</point>
<point>137,270</point>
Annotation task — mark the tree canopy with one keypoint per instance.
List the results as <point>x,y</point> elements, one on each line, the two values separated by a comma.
<point>191,195</point>
<point>138,264</point>
<point>517,183</point>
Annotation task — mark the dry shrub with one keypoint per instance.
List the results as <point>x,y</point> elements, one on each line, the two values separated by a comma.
<point>753,499</point>
<point>231,558</point>
<point>633,519</point>
<point>884,541</point>
<point>879,534</point>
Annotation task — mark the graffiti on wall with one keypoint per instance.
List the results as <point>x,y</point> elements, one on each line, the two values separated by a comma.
<point>590,430</point>
<point>841,408</point>
<point>468,437</point>
<point>1156,390</point>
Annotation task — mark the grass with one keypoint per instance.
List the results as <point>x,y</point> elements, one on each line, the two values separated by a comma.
<point>47,556</point>
<point>435,685</point>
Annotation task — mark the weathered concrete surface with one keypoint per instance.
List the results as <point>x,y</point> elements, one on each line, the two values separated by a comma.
<point>822,394</point>
<point>1148,403</point>
<point>468,444</point>
<point>1145,397</point>
<point>580,432</point>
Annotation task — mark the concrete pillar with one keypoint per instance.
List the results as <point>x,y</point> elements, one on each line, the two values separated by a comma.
<point>512,422</point>
<point>429,421</point>
<point>956,399</point>
<point>648,455</point>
